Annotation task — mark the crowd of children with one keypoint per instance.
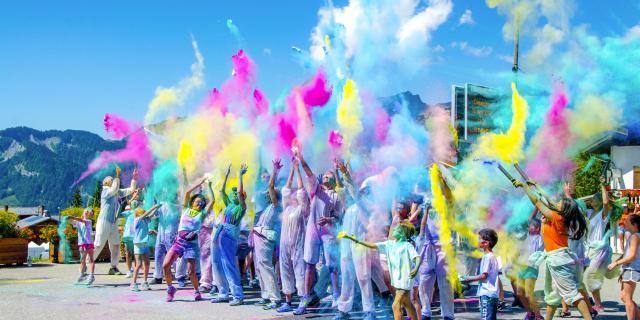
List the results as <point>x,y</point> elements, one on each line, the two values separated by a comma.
<point>323,239</point>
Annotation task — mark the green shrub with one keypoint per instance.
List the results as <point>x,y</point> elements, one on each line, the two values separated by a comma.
<point>8,228</point>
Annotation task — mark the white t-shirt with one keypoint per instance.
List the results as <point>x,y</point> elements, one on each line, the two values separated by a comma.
<point>596,228</point>
<point>400,258</point>
<point>489,287</point>
<point>84,232</point>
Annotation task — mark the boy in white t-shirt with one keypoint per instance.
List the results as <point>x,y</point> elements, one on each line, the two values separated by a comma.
<point>488,286</point>
<point>404,263</point>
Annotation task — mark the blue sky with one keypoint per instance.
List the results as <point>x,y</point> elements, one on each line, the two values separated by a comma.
<point>65,63</point>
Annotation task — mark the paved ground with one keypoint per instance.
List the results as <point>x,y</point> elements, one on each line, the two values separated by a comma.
<point>46,290</point>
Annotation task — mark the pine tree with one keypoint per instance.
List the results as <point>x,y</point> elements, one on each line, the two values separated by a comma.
<point>96,195</point>
<point>76,199</point>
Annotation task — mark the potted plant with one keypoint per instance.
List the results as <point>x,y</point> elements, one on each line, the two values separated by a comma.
<point>49,234</point>
<point>13,241</point>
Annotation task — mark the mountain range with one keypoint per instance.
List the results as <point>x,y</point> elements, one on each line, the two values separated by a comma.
<point>39,167</point>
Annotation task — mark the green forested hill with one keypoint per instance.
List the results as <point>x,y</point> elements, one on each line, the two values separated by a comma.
<point>38,167</point>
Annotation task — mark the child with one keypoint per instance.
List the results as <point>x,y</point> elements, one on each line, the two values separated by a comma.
<point>630,263</point>
<point>127,231</point>
<point>141,245</point>
<point>196,209</point>
<point>488,288</point>
<point>528,275</point>
<point>404,263</point>
<point>85,244</point>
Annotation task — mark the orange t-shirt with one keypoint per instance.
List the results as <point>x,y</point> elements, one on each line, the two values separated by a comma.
<point>554,233</point>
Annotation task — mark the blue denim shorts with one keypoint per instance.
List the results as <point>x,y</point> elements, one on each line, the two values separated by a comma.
<point>140,248</point>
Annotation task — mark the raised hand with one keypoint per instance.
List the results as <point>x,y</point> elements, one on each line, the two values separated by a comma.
<point>603,180</point>
<point>135,173</point>
<point>277,164</point>
<point>243,169</point>
<point>228,169</point>
<point>340,165</point>
<point>118,170</point>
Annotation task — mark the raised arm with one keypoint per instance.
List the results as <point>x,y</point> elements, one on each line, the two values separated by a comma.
<point>546,211</point>
<point>348,182</point>
<point>133,186</point>
<point>294,164</point>
<point>223,190</point>
<point>241,195</point>
<point>187,194</point>
<point>212,201</point>
<point>423,222</point>
<point>151,211</point>
<point>112,190</point>
<point>336,173</point>
<point>305,166</point>
<point>533,214</point>
<point>272,181</point>
<point>605,197</point>
<point>75,219</point>
<point>415,211</point>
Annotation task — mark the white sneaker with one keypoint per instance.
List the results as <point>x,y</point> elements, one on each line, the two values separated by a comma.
<point>81,278</point>
<point>128,275</point>
<point>145,286</point>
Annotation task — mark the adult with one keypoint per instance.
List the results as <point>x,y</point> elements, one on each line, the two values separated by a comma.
<point>224,243</point>
<point>599,251</point>
<point>321,230</point>
<point>355,261</point>
<point>107,226</point>
<point>264,238</point>
<point>294,216</point>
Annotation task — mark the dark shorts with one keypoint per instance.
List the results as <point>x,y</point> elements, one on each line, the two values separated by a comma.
<point>243,250</point>
<point>488,308</point>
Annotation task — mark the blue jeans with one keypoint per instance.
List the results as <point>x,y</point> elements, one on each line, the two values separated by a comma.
<point>224,262</point>
<point>488,308</point>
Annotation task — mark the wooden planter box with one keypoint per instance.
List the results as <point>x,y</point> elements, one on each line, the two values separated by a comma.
<point>13,250</point>
<point>57,256</point>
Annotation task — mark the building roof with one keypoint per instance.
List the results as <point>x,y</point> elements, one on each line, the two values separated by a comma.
<point>603,143</point>
<point>33,221</point>
<point>25,211</point>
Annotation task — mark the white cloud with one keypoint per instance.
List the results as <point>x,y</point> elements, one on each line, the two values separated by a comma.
<point>466,18</point>
<point>266,51</point>
<point>372,39</point>
<point>474,51</point>
<point>438,48</point>
<point>632,34</point>
<point>505,57</point>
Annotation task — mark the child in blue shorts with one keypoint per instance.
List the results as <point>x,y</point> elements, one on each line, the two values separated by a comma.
<point>141,245</point>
